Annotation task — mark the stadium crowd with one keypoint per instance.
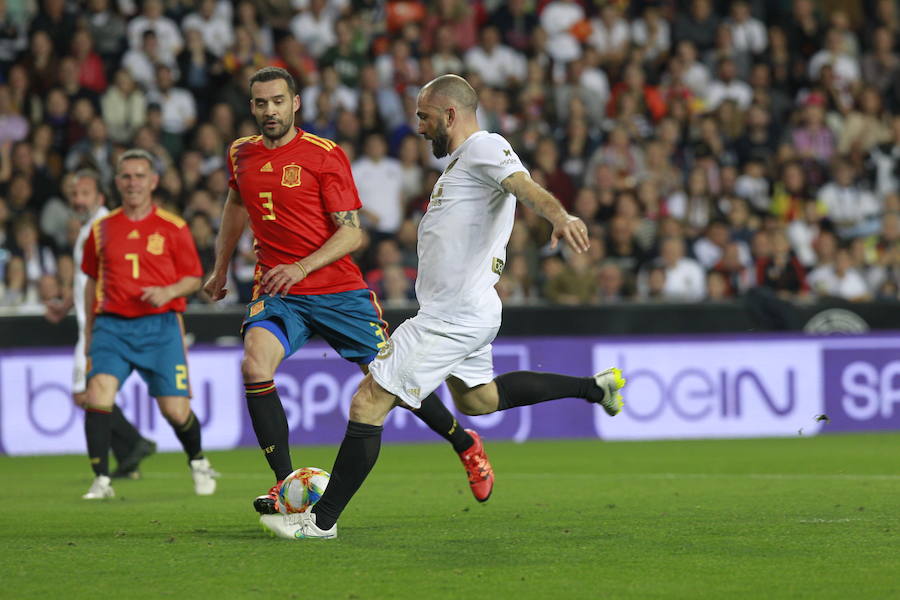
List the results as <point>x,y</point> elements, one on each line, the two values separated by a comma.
<point>712,147</point>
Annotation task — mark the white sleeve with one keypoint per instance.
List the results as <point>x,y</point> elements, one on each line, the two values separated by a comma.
<point>492,158</point>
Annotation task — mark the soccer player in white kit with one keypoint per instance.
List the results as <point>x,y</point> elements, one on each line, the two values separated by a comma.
<point>88,202</point>
<point>462,251</point>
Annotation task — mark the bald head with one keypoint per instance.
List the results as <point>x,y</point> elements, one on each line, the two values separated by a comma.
<point>451,90</point>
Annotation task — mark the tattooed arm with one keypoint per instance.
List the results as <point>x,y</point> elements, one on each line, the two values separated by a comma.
<point>347,237</point>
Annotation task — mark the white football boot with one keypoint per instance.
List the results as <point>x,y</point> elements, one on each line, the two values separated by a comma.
<point>100,489</point>
<point>204,477</point>
<point>296,526</point>
<point>611,381</point>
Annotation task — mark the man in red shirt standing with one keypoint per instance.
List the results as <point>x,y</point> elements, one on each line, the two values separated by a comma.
<point>141,263</point>
<point>297,191</point>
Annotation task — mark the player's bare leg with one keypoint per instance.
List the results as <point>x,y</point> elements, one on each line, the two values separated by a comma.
<point>263,352</point>
<point>177,411</point>
<point>101,394</point>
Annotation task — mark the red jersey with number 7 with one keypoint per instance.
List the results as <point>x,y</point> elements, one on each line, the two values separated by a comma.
<point>125,256</point>
<point>288,193</point>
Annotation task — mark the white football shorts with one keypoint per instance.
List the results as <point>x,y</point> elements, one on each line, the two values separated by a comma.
<point>79,370</point>
<point>424,351</point>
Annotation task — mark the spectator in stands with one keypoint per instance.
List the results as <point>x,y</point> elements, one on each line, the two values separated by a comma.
<point>840,279</point>
<point>41,62</point>
<point>611,283</point>
<point>748,34</point>
<point>734,268</point>
<point>218,33</point>
<point>685,279</point>
<point>497,64</point>
<point>562,20</point>
<point>885,162</point>
<point>652,33</point>
<point>107,30</point>
<point>610,36</point>
<point>90,68</point>
<point>781,272</point>
<point>200,71</point>
<point>575,284</point>
<point>851,208</point>
<point>812,139</point>
<point>141,62</point>
<point>13,126</point>
<point>866,126</point>
<point>845,66</point>
<point>12,38</point>
<point>57,21</point>
<point>179,109</point>
<point>698,25</point>
<point>516,22</point>
<point>166,30</point>
<point>728,87</point>
<point>881,64</point>
<point>94,151</point>
<point>383,204</point>
<point>314,28</point>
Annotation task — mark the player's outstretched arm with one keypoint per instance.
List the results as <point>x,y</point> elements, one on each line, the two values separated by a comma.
<point>346,238</point>
<point>565,226</point>
<point>234,220</point>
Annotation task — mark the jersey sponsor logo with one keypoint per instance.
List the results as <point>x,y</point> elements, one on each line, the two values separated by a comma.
<point>266,168</point>
<point>386,350</point>
<point>507,152</point>
<point>134,235</point>
<point>290,176</point>
<point>497,266</point>
<point>414,392</point>
<point>155,244</point>
<point>257,308</point>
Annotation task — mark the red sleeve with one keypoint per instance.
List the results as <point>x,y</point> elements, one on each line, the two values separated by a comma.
<point>89,258</point>
<point>187,261</point>
<point>230,159</point>
<point>655,103</point>
<point>338,190</point>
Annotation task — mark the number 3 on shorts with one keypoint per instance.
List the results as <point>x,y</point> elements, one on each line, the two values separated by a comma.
<point>380,333</point>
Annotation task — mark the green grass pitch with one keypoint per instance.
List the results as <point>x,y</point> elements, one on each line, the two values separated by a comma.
<point>786,518</point>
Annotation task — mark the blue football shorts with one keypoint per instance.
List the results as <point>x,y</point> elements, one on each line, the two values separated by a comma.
<point>351,322</point>
<point>153,344</point>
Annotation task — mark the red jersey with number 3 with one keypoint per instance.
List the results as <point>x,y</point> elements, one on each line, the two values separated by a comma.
<point>125,256</point>
<point>288,193</point>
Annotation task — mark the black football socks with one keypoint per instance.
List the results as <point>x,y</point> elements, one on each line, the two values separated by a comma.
<point>270,425</point>
<point>124,435</point>
<point>355,458</point>
<point>523,388</point>
<point>434,414</point>
<point>188,433</point>
<point>97,432</point>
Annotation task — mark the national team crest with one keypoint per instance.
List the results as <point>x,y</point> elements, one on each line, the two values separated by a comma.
<point>155,244</point>
<point>290,176</point>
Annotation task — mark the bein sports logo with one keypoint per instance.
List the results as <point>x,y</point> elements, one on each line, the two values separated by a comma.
<point>696,393</point>
<point>863,386</point>
<point>709,389</point>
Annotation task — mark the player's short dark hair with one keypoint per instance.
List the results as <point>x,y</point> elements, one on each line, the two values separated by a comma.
<point>137,154</point>
<point>273,73</point>
<point>92,175</point>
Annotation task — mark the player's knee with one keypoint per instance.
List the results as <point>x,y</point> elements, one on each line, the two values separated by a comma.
<point>175,413</point>
<point>253,369</point>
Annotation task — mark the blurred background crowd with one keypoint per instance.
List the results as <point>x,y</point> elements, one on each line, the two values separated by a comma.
<point>714,148</point>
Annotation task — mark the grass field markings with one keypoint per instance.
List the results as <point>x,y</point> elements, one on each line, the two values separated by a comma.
<point>818,521</point>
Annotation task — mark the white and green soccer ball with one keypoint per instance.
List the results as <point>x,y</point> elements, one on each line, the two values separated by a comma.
<point>301,489</point>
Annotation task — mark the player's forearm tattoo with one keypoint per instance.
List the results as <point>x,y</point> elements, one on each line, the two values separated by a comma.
<point>348,218</point>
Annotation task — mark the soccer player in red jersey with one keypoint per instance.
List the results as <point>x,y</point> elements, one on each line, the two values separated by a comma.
<point>298,193</point>
<point>141,263</point>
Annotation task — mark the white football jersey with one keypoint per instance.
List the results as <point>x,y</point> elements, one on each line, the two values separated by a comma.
<point>463,235</point>
<point>80,279</point>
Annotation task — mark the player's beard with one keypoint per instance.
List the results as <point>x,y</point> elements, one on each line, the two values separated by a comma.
<point>440,142</point>
<point>278,132</point>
